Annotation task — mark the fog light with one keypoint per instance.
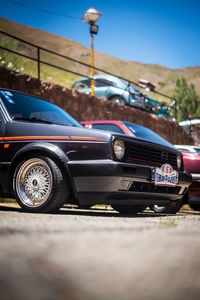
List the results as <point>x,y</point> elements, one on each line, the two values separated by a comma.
<point>124,185</point>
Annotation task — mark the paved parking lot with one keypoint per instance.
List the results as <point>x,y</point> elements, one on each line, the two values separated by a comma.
<point>97,254</point>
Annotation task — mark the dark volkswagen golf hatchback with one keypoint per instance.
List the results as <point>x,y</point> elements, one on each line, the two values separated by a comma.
<point>48,159</point>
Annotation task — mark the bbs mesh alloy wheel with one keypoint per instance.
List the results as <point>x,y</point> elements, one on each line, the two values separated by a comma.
<point>39,185</point>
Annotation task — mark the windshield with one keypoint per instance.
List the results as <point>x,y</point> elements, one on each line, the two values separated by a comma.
<point>145,133</point>
<point>132,88</point>
<point>27,108</point>
<point>197,150</point>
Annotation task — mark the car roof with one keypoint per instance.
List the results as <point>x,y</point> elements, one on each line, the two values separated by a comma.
<point>116,122</point>
<point>102,121</point>
<point>98,76</point>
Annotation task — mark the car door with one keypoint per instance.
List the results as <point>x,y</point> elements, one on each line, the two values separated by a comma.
<point>102,87</point>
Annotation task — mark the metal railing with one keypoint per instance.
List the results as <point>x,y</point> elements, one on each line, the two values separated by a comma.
<point>39,62</point>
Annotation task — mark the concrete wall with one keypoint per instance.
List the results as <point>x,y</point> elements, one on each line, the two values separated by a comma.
<point>85,107</point>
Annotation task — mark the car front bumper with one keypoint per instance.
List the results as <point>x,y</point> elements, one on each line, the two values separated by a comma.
<point>111,182</point>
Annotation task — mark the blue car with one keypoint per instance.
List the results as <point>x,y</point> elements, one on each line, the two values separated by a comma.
<point>112,88</point>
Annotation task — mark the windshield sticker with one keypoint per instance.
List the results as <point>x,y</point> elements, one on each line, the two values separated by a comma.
<point>8,93</point>
<point>7,97</point>
<point>131,129</point>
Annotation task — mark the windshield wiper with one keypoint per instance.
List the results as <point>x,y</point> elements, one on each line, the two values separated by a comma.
<point>31,120</point>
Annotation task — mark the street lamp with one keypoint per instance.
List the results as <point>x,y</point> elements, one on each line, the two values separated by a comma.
<point>91,16</point>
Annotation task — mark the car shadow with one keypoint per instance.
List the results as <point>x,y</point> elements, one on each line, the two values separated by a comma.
<point>105,213</point>
<point>98,212</point>
<point>72,210</point>
<point>111,213</point>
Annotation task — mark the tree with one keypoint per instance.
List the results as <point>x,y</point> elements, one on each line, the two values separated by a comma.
<point>188,101</point>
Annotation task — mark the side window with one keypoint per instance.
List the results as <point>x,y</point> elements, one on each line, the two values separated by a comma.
<point>103,82</point>
<point>108,127</point>
<point>85,84</point>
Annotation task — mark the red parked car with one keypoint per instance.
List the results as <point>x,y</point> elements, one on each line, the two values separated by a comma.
<point>191,158</point>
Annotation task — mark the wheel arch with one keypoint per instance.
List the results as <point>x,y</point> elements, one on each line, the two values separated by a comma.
<point>116,95</point>
<point>122,96</point>
<point>43,149</point>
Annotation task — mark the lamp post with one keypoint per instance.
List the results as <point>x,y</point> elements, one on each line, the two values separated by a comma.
<point>91,16</point>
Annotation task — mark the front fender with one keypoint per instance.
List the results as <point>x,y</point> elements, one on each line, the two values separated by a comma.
<point>49,148</point>
<point>46,149</point>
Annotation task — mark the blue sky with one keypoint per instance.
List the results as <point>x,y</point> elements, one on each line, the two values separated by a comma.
<point>156,32</point>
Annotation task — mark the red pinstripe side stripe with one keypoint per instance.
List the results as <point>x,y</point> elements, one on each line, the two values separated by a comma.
<point>74,138</point>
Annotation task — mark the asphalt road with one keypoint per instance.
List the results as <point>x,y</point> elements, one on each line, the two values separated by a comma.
<point>97,254</point>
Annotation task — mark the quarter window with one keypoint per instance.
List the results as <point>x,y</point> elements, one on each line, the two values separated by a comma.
<point>85,84</point>
<point>103,82</point>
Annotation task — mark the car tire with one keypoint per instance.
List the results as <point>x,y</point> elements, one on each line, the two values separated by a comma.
<point>39,185</point>
<point>170,208</point>
<point>118,100</point>
<point>128,209</point>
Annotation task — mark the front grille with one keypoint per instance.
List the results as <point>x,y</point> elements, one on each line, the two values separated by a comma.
<point>151,188</point>
<point>148,154</point>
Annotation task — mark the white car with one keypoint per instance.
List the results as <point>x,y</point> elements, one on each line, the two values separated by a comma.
<point>188,148</point>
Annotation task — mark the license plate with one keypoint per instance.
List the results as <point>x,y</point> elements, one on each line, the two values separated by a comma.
<point>165,175</point>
